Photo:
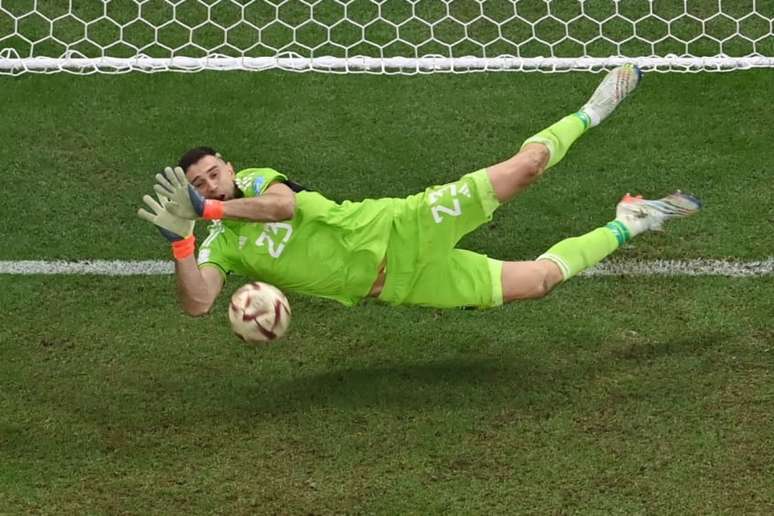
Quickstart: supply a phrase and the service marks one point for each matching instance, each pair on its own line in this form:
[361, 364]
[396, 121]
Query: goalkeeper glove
[178, 231]
[184, 200]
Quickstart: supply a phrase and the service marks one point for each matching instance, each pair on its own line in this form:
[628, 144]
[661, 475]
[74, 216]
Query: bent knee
[539, 288]
[532, 159]
[529, 280]
[526, 280]
[527, 167]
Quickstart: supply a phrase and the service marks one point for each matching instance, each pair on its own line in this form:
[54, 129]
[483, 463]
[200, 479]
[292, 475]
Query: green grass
[617, 395]
[657, 401]
[86, 153]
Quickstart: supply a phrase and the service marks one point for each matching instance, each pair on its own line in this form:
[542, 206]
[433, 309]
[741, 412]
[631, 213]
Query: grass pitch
[614, 395]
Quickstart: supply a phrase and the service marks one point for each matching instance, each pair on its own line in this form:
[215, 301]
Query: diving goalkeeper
[401, 251]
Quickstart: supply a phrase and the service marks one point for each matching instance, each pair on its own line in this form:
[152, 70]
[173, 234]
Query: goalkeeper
[402, 251]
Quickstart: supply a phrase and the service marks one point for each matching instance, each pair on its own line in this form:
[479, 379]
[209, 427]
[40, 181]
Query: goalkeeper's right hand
[178, 231]
[184, 200]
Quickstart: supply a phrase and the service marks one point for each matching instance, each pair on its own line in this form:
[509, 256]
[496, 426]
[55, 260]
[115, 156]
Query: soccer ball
[259, 312]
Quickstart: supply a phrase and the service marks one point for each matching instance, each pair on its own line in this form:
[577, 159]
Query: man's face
[212, 177]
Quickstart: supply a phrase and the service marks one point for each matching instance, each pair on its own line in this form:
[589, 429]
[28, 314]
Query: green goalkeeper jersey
[327, 249]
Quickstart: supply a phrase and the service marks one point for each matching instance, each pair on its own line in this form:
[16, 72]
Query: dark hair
[192, 156]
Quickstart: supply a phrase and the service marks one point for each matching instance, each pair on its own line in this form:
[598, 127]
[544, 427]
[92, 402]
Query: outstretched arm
[277, 203]
[197, 288]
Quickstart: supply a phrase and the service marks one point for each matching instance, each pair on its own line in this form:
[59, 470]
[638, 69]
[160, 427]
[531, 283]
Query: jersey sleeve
[217, 250]
[254, 181]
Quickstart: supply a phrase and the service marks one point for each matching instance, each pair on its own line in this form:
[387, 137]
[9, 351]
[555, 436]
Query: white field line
[97, 267]
[697, 267]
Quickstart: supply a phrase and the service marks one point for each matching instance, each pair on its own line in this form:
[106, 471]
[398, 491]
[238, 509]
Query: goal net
[383, 36]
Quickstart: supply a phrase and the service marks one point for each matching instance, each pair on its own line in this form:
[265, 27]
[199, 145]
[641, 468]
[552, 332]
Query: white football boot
[618, 83]
[640, 215]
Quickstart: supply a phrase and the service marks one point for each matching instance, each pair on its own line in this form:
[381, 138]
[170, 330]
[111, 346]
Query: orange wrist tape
[184, 248]
[213, 209]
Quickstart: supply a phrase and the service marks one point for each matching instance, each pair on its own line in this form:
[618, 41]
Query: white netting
[383, 36]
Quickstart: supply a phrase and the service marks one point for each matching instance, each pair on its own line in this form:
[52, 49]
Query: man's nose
[211, 185]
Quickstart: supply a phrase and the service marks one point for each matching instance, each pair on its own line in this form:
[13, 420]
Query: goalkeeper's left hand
[184, 200]
[178, 231]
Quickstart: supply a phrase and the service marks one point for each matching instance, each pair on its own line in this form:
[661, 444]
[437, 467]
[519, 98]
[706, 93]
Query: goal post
[383, 36]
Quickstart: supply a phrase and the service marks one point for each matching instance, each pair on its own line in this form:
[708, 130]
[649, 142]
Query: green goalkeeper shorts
[423, 267]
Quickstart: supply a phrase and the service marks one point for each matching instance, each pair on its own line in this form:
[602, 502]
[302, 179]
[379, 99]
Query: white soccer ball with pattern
[259, 312]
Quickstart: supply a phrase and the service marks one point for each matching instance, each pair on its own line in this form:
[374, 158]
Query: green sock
[573, 255]
[560, 136]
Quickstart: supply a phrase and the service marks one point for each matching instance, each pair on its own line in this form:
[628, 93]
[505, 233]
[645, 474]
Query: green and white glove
[184, 200]
[178, 231]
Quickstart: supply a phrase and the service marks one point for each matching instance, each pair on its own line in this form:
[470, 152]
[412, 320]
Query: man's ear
[230, 169]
